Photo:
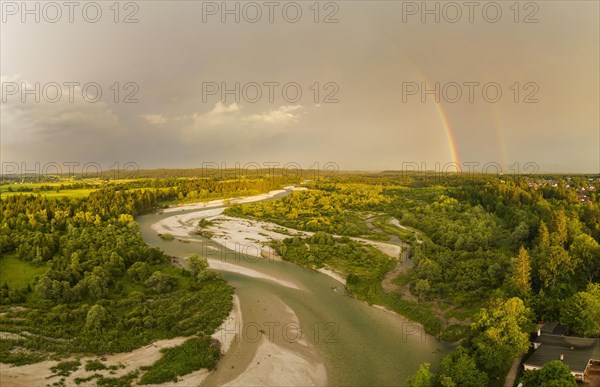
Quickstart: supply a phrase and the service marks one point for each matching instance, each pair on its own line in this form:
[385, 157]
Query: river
[358, 344]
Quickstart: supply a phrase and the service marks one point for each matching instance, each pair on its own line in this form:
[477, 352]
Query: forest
[77, 278]
[329, 207]
[495, 255]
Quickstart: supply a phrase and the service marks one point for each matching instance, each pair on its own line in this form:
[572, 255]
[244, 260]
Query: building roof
[576, 351]
[554, 328]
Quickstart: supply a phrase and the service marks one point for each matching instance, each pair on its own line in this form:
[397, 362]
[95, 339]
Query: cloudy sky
[185, 83]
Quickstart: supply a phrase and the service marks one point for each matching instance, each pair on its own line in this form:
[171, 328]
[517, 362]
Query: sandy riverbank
[252, 237]
[275, 360]
[185, 225]
[333, 275]
[230, 267]
[248, 237]
[39, 374]
[222, 202]
[275, 366]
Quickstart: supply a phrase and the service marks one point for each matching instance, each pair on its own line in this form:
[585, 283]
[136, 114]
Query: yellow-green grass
[71, 193]
[18, 274]
[19, 187]
[34, 185]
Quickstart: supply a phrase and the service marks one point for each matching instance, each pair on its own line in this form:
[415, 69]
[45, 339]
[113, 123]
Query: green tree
[429, 270]
[43, 287]
[139, 271]
[423, 377]
[587, 251]
[520, 234]
[543, 235]
[166, 236]
[96, 318]
[197, 263]
[556, 267]
[560, 234]
[458, 369]
[160, 282]
[520, 274]
[422, 288]
[553, 374]
[499, 333]
[96, 282]
[582, 311]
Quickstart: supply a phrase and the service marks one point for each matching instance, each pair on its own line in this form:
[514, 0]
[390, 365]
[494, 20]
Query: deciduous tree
[499, 333]
[553, 374]
[459, 368]
[582, 311]
[423, 377]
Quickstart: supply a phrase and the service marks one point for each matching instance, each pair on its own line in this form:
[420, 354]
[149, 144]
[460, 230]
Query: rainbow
[445, 124]
[448, 129]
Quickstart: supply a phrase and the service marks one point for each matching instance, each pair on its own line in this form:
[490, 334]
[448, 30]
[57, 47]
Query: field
[49, 190]
[68, 187]
[70, 193]
[18, 274]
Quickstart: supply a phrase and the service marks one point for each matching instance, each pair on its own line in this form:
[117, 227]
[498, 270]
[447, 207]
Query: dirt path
[404, 263]
[388, 284]
[509, 381]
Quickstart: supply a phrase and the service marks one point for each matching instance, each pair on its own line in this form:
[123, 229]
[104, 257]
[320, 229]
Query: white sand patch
[333, 275]
[294, 188]
[251, 237]
[275, 366]
[222, 202]
[194, 206]
[10, 336]
[273, 360]
[186, 224]
[230, 327]
[230, 267]
[390, 250]
[27, 375]
[395, 222]
[269, 253]
[385, 309]
[255, 235]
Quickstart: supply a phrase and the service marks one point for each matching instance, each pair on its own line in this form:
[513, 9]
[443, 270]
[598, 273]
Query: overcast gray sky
[359, 107]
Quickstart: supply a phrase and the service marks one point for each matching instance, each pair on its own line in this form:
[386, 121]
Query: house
[576, 352]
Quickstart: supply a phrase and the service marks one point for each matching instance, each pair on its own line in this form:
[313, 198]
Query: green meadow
[18, 274]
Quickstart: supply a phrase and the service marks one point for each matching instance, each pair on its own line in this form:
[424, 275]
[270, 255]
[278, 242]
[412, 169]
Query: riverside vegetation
[77, 279]
[492, 256]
